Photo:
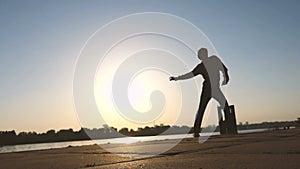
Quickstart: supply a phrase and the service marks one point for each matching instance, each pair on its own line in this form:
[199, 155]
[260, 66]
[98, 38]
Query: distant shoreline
[10, 138]
[120, 140]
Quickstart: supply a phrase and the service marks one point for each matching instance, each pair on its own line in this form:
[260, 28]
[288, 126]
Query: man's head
[202, 54]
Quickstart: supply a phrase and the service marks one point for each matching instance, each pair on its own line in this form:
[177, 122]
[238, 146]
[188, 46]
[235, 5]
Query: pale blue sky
[259, 41]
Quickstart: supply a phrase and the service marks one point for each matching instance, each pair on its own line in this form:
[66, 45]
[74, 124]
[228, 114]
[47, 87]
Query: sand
[275, 149]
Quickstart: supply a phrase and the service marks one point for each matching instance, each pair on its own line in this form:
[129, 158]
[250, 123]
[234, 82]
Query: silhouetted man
[210, 70]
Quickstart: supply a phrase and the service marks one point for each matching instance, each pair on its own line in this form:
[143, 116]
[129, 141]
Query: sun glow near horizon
[142, 84]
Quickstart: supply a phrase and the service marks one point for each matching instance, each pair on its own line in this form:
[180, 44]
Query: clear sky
[258, 40]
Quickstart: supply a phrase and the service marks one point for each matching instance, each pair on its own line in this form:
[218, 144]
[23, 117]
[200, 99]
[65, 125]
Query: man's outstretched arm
[196, 71]
[183, 77]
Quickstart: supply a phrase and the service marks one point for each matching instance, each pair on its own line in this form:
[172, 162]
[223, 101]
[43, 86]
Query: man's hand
[225, 81]
[172, 78]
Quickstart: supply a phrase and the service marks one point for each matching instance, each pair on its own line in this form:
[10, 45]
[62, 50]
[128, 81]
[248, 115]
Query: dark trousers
[206, 95]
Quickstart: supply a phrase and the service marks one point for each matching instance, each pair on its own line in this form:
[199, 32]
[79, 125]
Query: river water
[127, 140]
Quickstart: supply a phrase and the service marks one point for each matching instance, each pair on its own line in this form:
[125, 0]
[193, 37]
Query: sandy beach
[274, 149]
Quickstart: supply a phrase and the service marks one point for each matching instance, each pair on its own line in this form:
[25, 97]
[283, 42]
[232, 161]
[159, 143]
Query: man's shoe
[196, 135]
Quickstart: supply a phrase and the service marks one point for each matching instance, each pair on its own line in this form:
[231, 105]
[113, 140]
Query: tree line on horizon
[12, 138]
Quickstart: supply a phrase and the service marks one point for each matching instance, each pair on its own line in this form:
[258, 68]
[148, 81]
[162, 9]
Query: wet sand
[275, 149]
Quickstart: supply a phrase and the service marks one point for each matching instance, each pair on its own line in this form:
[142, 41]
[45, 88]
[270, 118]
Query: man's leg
[204, 99]
[229, 125]
[219, 96]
